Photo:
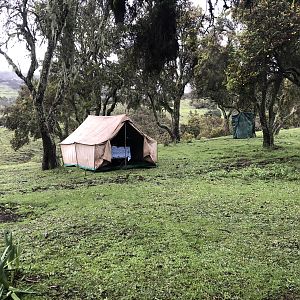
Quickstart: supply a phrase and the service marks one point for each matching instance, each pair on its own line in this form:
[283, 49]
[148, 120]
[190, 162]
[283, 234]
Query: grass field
[186, 108]
[217, 219]
[6, 91]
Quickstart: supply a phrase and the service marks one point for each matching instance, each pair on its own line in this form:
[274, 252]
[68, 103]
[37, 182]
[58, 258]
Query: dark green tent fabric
[243, 125]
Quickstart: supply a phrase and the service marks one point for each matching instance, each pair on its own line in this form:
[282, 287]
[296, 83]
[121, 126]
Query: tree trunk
[268, 132]
[163, 126]
[176, 120]
[267, 126]
[268, 139]
[50, 160]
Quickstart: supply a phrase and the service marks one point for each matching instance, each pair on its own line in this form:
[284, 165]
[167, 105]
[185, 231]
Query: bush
[203, 126]
[213, 113]
[146, 122]
[187, 137]
[202, 103]
[193, 125]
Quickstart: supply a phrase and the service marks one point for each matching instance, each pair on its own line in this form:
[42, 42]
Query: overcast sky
[20, 56]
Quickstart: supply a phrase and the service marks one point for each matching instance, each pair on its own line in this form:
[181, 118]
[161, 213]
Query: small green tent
[243, 125]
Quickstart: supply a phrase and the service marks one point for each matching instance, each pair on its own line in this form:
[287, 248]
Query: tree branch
[163, 126]
[13, 65]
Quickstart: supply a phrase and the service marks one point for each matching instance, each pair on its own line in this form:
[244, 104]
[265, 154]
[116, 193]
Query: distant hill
[9, 86]
[10, 79]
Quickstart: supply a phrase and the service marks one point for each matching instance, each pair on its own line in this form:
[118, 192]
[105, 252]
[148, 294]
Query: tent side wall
[243, 125]
[85, 156]
[102, 154]
[150, 150]
[69, 154]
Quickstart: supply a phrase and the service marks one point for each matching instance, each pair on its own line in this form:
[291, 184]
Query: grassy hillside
[186, 108]
[218, 219]
[7, 92]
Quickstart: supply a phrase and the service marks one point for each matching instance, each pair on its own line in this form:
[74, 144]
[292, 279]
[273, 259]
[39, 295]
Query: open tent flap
[130, 138]
[150, 150]
[102, 154]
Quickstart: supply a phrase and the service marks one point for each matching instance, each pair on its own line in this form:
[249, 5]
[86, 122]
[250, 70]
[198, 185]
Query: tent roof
[97, 130]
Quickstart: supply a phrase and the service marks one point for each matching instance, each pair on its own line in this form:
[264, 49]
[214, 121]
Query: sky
[20, 56]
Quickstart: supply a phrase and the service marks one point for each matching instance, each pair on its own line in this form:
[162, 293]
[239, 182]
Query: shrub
[204, 126]
[202, 103]
[193, 125]
[146, 121]
[9, 266]
[187, 137]
[213, 113]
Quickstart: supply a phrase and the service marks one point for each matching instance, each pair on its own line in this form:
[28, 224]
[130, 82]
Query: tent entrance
[127, 147]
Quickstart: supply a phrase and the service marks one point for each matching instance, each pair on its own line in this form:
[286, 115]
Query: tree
[271, 32]
[210, 80]
[54, 21]
[288, 109]
[166, 90]
[19, 118]
[27, 20]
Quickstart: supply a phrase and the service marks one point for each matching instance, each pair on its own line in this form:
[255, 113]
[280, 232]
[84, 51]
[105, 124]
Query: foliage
[187, 137]
[204, 126]
[202, 103]
[193, 126]
[152, 29]
[213, 113]
[9, 264]
[19, 119]
[146, 121]
[288, 109]
[210, 73]
[164, 92]
[29, 21]
[266, 48]
[156, 35]
[214, 56]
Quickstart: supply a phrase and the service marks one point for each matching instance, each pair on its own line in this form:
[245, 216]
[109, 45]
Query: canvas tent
[109, 141]
[243, 125]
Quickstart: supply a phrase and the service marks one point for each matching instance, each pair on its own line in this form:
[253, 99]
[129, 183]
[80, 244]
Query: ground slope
[218, 219]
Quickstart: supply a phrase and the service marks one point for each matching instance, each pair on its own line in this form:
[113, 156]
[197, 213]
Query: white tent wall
[85, 156]
[69, 155]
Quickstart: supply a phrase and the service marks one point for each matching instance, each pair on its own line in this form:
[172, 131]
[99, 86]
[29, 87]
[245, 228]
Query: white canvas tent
[106, 141]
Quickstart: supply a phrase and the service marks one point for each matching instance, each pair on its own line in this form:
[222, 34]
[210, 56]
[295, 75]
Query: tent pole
[125, 145]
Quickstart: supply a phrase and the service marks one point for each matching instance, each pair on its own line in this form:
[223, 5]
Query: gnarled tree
[268, 52]
[29, 21]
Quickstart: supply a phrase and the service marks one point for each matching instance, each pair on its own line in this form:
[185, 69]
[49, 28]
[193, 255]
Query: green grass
[186, 108]
[218, 219]
[6, 91]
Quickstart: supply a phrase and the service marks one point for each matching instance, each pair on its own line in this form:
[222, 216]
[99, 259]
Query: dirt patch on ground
[244, 162]
[8, 214]
[285, 295]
